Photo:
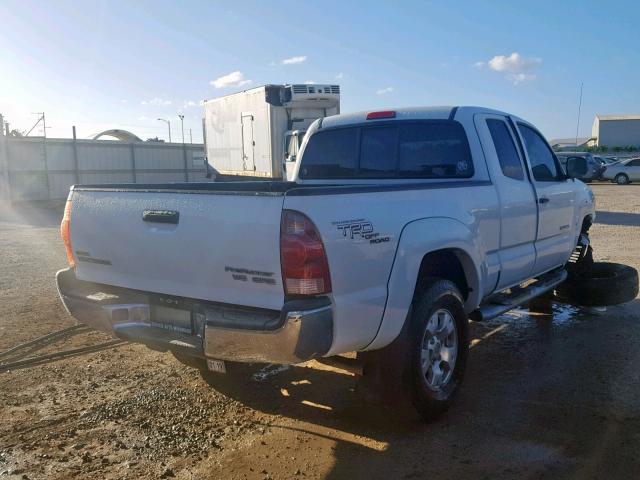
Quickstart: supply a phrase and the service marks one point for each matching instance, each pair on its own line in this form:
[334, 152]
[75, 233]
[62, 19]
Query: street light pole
[168, 125]
[184, 150]
[181, 117]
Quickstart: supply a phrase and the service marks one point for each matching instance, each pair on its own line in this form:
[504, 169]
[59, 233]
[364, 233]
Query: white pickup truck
[397, 228]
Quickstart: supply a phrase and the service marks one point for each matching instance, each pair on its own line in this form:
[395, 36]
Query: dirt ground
[542, 398]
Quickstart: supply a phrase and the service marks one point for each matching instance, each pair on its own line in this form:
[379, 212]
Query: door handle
[543, 200]
[161, 216]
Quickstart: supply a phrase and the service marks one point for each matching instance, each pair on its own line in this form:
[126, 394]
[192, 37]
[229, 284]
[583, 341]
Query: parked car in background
[624, 172]
[607, 160]
[595, 169]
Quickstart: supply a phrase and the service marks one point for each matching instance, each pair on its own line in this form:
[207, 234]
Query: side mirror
[577, 167]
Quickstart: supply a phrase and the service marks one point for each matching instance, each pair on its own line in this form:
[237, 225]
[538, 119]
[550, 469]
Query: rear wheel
[439, 348]
[424, 366]
[622, 179]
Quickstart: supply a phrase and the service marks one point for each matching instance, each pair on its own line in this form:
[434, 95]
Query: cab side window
[505, 149]
[543, 162]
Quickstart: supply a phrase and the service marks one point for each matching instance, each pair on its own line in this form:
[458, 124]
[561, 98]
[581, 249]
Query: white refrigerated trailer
[257, 132]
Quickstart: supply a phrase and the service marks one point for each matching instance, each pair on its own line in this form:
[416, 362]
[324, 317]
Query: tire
[410, 364]
[622, 179]
[439, 300]
[602, 285]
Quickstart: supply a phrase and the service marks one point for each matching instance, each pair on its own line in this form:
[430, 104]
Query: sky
[123, 64]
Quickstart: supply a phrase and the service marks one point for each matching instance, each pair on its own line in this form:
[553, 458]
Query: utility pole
[181, 117]
[190, 137]
[184, 149]
[578, 119]
[168, 125]
[40, 119]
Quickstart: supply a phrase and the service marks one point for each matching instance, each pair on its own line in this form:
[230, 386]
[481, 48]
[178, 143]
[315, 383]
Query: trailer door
[248, 143]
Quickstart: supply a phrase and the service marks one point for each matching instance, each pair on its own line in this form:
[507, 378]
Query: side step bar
[518, 296]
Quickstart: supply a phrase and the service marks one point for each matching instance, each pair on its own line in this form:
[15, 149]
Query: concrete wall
[44, 169]
[618, 133]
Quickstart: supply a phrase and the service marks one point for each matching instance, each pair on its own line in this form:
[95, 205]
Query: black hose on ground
[59, 355]
[48, 336]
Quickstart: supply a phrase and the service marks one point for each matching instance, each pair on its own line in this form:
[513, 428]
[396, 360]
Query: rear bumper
[301, 331]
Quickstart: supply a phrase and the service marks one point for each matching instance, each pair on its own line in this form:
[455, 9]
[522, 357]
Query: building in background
[570, 144]
[613, 131]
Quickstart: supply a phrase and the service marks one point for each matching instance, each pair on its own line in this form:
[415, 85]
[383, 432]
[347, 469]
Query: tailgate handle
[161, 216]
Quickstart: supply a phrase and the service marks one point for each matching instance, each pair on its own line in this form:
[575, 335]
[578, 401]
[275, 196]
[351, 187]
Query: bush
[598, 149]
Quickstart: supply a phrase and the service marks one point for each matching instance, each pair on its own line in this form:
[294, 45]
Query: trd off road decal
[256, 276]
[359, 229]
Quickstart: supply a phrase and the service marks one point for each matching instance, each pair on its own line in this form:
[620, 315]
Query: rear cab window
[427, 149]
[508, 156]
[331, 156]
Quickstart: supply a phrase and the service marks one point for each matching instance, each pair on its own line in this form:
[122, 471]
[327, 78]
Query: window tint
[634, 163]
[428, 149]
[434, 150]
[331, 154]
[543, 164]
[506, 150]
[378, 152]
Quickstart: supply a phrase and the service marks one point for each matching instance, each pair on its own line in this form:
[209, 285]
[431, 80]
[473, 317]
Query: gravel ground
[542, 398]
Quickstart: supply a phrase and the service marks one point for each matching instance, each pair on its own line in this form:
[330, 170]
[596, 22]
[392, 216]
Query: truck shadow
[618, 218]
[535, 403]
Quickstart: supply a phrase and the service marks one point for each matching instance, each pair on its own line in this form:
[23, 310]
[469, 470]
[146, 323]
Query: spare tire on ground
[600, 285]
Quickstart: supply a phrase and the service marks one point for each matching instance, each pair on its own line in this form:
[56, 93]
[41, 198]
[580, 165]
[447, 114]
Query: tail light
[305, 270]
[65, 233]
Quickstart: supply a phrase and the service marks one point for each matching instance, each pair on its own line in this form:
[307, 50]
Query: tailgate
[216, 247]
